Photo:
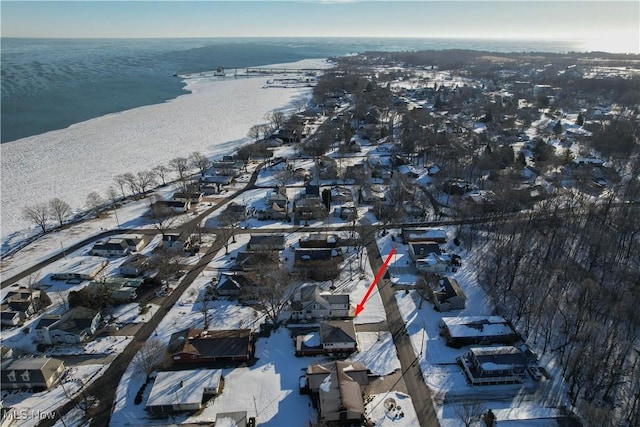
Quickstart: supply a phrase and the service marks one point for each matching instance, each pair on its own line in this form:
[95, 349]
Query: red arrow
[360, 306]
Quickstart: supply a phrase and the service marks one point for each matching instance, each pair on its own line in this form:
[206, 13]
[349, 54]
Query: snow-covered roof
[81, 265]
[476, 326]
[182, 387]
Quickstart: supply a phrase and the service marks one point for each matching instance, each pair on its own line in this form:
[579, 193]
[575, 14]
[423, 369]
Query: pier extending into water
[252, 71]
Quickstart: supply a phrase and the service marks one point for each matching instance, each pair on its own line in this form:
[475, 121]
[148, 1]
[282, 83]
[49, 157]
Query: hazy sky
[605, 22]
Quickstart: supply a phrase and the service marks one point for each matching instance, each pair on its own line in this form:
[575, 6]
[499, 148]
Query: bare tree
[276, 119]
[166, 263]
[132, 182]
[87, 404]
[470, 412]
[205, 299]
[121, 180]
[162, 217]
[229, 220]
[200, 161]
[180, 166]
[112, 195]
[149, 356]
[254, 132]
[94, 202]
[161, 172]
[274, 288]
[37, 214]
[59, 209]
[145, 180]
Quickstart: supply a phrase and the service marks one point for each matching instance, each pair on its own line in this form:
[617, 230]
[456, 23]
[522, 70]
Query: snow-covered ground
[535, 402]
[69, 163]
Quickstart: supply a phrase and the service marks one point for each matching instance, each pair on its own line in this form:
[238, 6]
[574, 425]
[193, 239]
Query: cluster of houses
[494, 356]
[21, 304]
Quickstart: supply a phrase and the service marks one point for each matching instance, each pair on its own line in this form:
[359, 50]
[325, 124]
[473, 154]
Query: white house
[79, 268]
[111, 248]
[310, 304]
[73, 327]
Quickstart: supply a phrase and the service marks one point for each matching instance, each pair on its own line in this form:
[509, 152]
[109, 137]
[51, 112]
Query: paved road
[418, 390]
[104, 388]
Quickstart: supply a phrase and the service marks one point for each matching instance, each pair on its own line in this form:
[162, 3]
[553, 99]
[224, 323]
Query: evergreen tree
[557, 129]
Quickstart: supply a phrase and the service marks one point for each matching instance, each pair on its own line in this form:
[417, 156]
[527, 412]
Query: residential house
[231, 168]
[237, 211]
[191, 346]
[135, 266]
[470, 330]
[176, 242]
[22, 303]
[493, 365]
[338, 389]
[279, 196]
[341, 195]
[421, 234]
[11, 318]
[120, 290]
[419, 250]
[309, 304]
[174, 206]
[80, 268]
[35, 373]
[73, 327]
[5, 352]
[338, 336]
[266, 242]
[372, 193]
[217, 179]
[183, 391]
[135, 242]
[194, 197]
[310, 208]
[110, 248]
[447, 295]
[334, 336]
[254, 261]
[274, 211]
[408, 171]
[319, 241]
[317, 257]
[311, 191]
[432, 263]
[233, 285]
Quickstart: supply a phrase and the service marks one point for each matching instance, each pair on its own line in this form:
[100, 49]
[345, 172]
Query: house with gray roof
[338, 387]
[73, 327]
[110, 248]
[266, 242]
[310, 304]
[470, 330]
[338, 336]
[448, 295]
[494, 365]
[200, 346]
[36, 373]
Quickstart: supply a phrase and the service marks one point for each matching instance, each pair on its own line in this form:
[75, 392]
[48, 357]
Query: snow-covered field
[69, 163]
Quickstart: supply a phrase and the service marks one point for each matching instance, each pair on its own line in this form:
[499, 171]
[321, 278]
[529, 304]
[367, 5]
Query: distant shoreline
[212, 117]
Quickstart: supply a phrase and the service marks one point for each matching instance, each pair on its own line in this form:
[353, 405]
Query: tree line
[127, 185]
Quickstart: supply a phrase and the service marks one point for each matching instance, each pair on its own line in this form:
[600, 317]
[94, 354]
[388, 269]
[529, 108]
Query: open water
[50, 84]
